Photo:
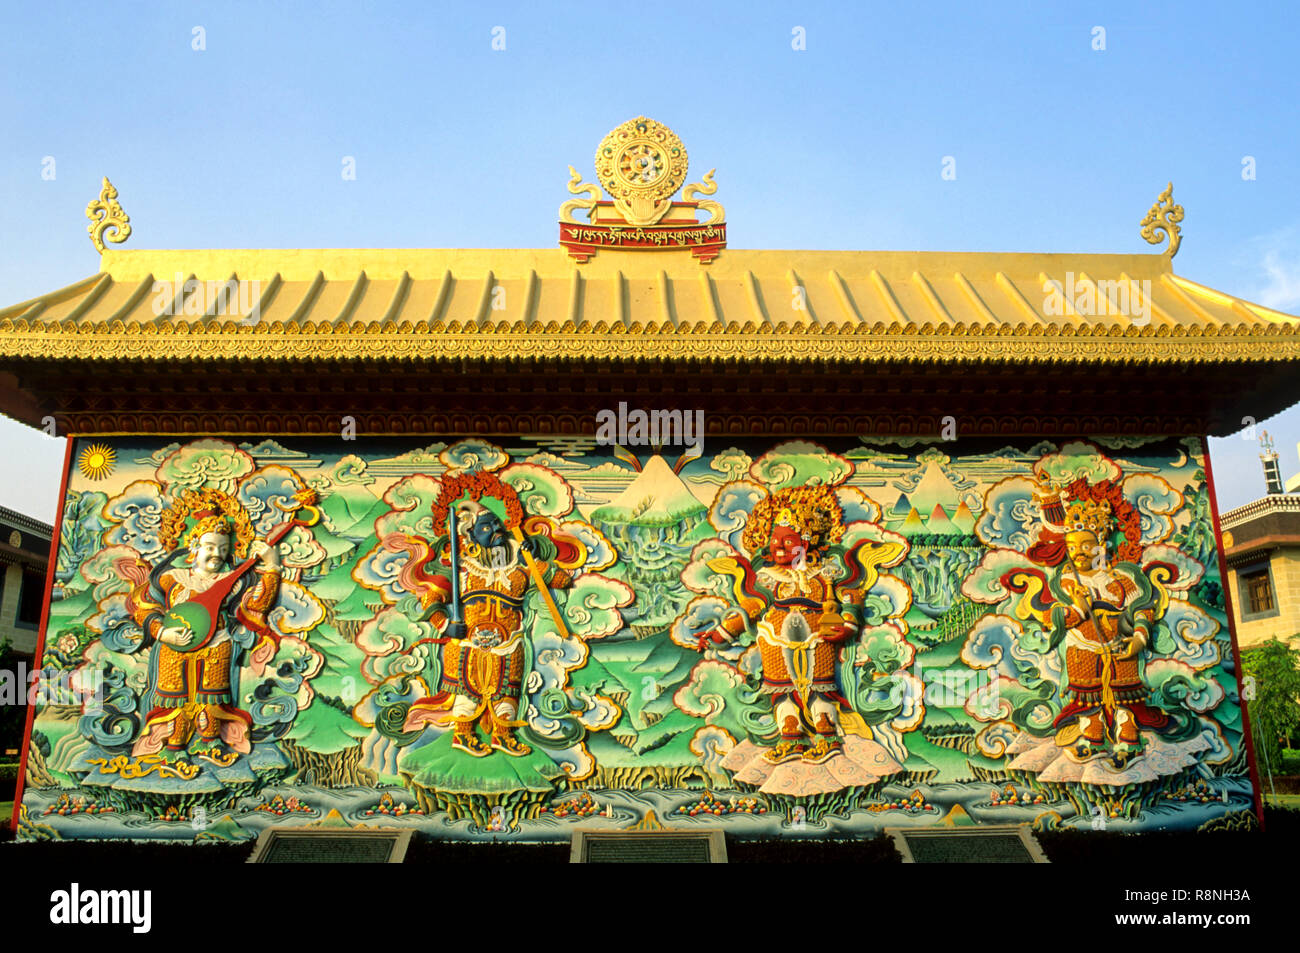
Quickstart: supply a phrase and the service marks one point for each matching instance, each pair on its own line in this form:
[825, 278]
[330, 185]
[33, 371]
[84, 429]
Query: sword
[455, 564]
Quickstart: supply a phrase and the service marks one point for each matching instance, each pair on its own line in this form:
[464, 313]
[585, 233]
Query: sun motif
[97, 461]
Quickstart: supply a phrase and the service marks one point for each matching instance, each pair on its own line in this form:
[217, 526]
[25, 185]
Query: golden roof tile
[857, 307]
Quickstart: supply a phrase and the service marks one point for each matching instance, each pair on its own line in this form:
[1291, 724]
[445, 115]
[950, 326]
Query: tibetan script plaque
[1011, 844]
[306, 846]
[648, 847]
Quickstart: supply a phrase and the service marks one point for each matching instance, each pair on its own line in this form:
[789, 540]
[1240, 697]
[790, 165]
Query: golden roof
[859, 307]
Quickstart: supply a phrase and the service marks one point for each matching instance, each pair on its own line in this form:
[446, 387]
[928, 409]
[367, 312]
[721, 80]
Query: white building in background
[1261, 546]
[24, 559]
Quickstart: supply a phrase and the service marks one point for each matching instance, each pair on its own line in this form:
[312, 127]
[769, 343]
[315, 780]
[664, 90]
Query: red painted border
[1232, 630]
[45, 621]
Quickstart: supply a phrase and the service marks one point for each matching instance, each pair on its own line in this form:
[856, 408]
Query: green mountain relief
[352, 510]
[322, 728]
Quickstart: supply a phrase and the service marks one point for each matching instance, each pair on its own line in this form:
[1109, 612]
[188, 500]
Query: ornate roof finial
[107, 220]
[642, 165]
[717, 214]
[1164, 216]
[577, 187]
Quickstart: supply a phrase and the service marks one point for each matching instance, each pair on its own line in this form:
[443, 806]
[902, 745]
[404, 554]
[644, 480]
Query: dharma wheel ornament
[641, 165]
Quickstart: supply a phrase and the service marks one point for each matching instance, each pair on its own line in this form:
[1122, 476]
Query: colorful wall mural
[482, 638]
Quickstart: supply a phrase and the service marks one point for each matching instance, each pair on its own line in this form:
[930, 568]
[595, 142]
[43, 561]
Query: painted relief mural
[508, 637]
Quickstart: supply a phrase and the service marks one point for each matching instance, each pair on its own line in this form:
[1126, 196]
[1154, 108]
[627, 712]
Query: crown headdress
[1085, 515]
[1099, 508]
[482, 489]
[787, 517]
[812, 511]
[212, 511]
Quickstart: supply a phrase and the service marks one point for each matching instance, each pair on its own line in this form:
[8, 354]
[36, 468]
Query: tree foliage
[1275, 709]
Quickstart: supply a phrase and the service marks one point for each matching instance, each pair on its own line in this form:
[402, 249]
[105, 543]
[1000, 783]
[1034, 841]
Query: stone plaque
[995, 844]
[648, 847]
[309, 846]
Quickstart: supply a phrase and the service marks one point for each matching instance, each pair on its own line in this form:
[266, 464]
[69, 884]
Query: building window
[1259, 589]
[30, 598]
[1255, 590]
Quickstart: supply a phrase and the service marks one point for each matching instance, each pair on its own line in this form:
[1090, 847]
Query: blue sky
[1059, 147]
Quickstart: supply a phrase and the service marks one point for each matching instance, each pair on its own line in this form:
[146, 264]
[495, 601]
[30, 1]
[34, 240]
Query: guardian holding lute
[186, 612]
